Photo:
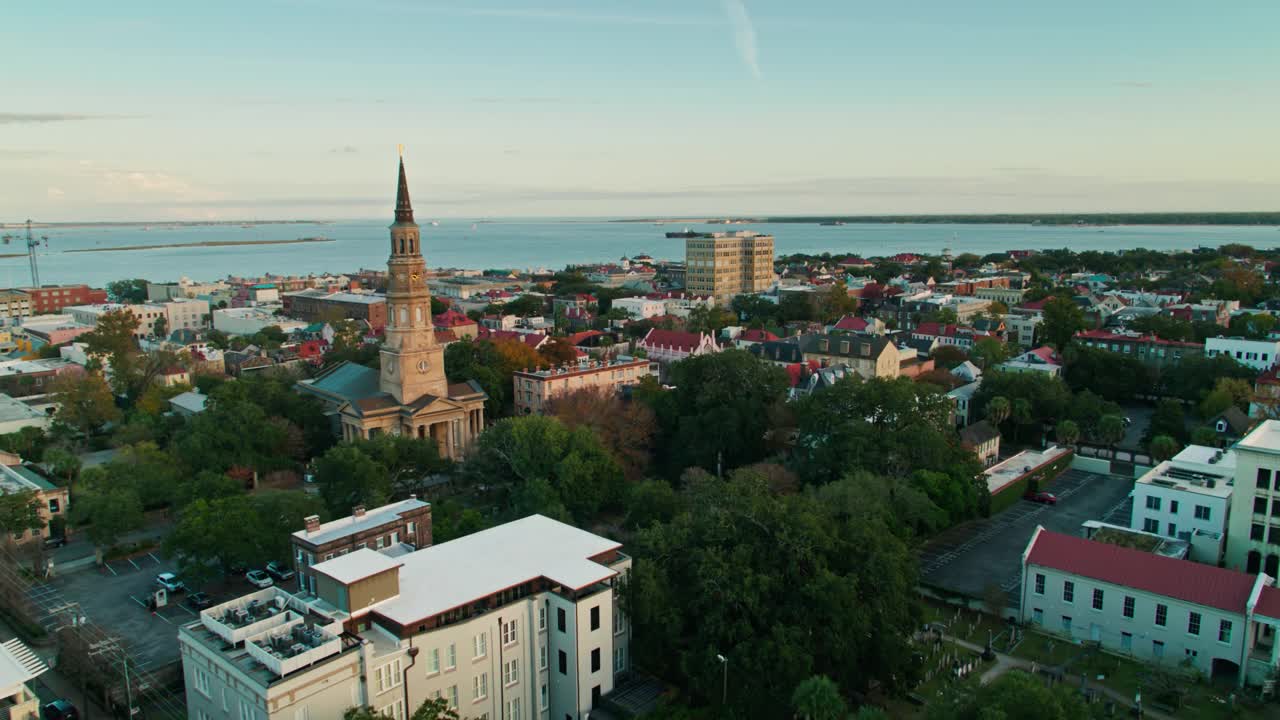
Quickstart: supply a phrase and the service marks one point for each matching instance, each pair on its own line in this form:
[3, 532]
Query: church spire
[404, 210]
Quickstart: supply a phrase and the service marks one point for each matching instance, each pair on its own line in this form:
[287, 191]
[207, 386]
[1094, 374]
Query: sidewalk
[71, 557]
[1004, 663]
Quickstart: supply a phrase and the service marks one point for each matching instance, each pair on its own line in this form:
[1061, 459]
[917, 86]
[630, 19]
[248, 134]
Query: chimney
[312, 522]
[357, 511]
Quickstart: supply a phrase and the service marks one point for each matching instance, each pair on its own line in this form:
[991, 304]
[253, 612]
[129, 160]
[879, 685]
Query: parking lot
[969, 558]
[115, 598]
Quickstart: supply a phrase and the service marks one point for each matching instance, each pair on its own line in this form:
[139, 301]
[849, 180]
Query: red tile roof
[533, 340]
[675, 339]
[1047, 354]
[451, 319]
[852, 322]
[1034, 304]
[1121, 337]
[757, 335]
[1269, 603]
[577, 338]
[1179, 579]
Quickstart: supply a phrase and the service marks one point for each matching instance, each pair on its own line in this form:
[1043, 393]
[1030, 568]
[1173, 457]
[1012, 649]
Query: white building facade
[1189, 498]
[1155, 609]
[640, 307]
[518, 622]
[1257, 354]
[1253, 530]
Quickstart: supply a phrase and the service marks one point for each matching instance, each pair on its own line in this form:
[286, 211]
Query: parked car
[199, 600]
[1047, 498]
[279, 571]
[59, 710]
[259, 579]
[170, 582]
[55, 541]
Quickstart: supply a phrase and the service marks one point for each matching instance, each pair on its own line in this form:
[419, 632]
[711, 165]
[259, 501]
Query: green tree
[212, 536]
[19, 512]
[989, 352]
[720, 411]
[1016, 695]
[1168, 419]
[128, 291]
[112, 512]
[1062, 320]
[113, 338]
[1067, 432]
[1205, 436]
[818, 698]
[998, 410]
[1114, 376]
[161, 327]
[1227, 392]
[541, 466]
[85, 403]
[1023, 414]
[348, 476]
[1111, 430]
[1163, 447]
[63, 462]
[949, 356]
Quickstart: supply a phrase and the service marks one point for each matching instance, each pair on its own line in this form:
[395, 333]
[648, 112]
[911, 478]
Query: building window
[1128, 606]
[511, 672]
[1193, 623]
[1259, 506]
[246, 710]
[1224, 631]
[619, 659]
[560, 619]
[433, 661]
[1126, 641]
[595, 613]
[481, 646]
[1202, 512]
[619, 625]
[1151, 525]
[1068, 591]
[1273, 535]
[1039, 583]
[595, 660]
[564, 663]
[509, 633]
[513, 709]
[1162, 614]
[1153, 502]
[546, 697]
[395, 710]
[480, 686]
[1037, 616]
[202, 682]
[1173, 507]
[1264, 478]
[453, 696]
[389, 675]
[1066, 623]
[1157, 649]
[1097, 599]
[451, 657]
[1257, 532]
[1173, 530]
[542, 617]
[542, 657]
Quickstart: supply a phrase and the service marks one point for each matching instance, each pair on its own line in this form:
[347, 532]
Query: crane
[32, 245]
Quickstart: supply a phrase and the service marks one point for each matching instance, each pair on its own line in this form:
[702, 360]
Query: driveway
[969, 558]
[1141, 417]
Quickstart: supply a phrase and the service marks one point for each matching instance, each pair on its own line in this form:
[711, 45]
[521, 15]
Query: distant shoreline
[209, 243]
[161, 223]
[1048, 219]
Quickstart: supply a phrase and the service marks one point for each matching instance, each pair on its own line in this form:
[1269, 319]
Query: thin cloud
[44, 118]
[744, 34]
[345, 150]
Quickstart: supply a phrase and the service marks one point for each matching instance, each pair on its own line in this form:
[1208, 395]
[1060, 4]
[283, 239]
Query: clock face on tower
[423, 366]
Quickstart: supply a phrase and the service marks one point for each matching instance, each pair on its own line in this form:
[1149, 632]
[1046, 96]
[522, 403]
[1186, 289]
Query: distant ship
[686, 233]
[435, 223]
[246, 225]
[832, 222]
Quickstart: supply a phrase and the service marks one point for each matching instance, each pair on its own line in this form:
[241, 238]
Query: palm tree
[1111, 431]
[1068, 432]
[1023, 414]
[998, 410]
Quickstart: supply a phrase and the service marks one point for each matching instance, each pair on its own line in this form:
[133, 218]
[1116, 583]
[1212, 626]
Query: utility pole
[724, 688]
[111, 647]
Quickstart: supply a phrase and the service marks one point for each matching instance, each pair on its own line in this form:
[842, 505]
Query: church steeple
[404, 209]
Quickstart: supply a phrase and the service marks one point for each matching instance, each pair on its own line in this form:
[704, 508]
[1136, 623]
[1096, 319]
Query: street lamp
[724, 689]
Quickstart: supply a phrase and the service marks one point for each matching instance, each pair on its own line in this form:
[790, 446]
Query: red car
[1047, 498]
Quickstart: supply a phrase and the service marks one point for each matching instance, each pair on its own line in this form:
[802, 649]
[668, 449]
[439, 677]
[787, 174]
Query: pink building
[668, 346]
[533, 388]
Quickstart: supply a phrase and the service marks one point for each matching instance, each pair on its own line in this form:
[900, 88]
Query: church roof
[404, 209]
[348, 380]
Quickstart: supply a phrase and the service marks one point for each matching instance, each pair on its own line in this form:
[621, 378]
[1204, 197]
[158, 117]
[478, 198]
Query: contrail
[744, 34]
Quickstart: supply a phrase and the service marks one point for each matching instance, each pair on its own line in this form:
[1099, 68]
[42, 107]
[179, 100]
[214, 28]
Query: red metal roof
[757, 335]
[1179, 579]
[852, 322]
[1269, 603]
[675, 339]
[1120, 337]
[451, 319]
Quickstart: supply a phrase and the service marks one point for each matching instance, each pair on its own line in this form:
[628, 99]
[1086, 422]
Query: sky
[282, 109]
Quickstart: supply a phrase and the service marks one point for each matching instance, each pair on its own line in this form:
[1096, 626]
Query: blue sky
[293, 108]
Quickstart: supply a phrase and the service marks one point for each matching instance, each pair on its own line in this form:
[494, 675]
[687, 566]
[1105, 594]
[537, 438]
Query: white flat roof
[452, 574]
[1202, 455]
[1193, 478]
[19, 664]
[1264, 438]
[342, 527]
[357, 565]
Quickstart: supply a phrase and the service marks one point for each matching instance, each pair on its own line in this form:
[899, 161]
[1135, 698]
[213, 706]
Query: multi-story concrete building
[1022, 329]
[1253, 530]
[640, 307]
[1007, 295]
[1188, 497]
[1153, 351]
[185, 314]
[17, 477]
[15, 304]
[397, 528]
[1154, 608]
[251, 320]
[726, 264]
[1257, 354]
[533, 388]
[315, 305]
[518, 621]
[145, 313]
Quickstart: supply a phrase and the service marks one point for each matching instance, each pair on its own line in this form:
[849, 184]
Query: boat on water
[246, 225]
[685, 233]
[435, 223]
[832, 222]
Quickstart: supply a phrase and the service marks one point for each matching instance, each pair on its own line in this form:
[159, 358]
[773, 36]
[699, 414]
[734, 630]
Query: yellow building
[726, 264]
